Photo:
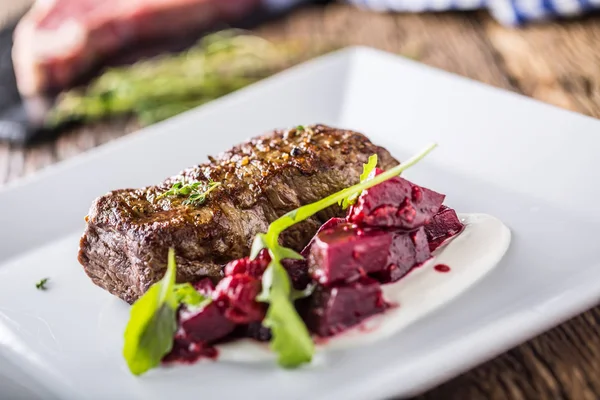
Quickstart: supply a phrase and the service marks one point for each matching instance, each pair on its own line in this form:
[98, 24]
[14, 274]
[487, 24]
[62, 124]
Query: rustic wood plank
[15, 164]
[38, 157]
[560, 364]
[454, 42]
[80, 139]
[556, 63]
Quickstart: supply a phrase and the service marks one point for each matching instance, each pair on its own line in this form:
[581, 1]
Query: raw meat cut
[58, 41]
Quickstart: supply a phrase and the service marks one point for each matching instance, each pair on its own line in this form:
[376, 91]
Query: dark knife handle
[16, 126]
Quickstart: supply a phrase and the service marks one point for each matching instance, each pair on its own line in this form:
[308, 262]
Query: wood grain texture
[555, 63]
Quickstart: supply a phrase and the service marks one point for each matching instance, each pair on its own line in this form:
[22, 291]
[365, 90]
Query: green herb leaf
[304, 212]
[267, 282]
[292, 214]
[152, 323]
[174, 191]
[290, 337]
[291, 340]
[367, 169]
[41, 285]
[258, 244]
[285, 252]
[186, 294]
[196, 195]
[301, 294]
[300, 128]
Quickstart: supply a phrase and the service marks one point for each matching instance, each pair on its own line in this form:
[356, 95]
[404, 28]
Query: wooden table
[555, 63]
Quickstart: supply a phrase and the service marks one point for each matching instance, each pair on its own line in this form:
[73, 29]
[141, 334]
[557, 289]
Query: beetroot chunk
[206, 325]
[198, 329]
[443, 226]
[347, 252]
[186, 351]
[407, 251]
[256, 331]
[328, 225]
[298, 269]
[237, 294]
[255, 268]
[204, 286]
[298, 272]
[331, 310]
[395, 203]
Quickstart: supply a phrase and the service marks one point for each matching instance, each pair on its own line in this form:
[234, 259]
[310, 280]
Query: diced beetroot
[206, 325]
[186, 351]
[298, 269]
[298, 272]
[346, 252]
[443, 226]
[329, 224]
[407, 251]
[255, 268]
[395, 203]
[205, 287]
[419, 239]
[199, 328]
[256, 331]
[331, 310]
[237, 294]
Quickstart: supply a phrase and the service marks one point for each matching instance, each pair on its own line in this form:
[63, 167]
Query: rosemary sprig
[158, 88]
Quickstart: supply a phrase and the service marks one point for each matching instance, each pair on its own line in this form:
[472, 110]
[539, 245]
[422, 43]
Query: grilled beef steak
[124, 248]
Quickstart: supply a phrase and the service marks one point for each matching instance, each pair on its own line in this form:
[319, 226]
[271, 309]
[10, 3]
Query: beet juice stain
[442, 268]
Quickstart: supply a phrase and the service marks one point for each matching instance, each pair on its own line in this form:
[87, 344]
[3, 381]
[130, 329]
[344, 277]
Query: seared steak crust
[124, 247]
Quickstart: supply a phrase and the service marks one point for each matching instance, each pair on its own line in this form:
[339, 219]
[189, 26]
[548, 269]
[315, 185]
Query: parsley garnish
[153, 320]
[291, 339]
[197, 192]
[41, 285]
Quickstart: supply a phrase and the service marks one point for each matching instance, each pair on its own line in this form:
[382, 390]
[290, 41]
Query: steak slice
[58, 41]
[125, 244]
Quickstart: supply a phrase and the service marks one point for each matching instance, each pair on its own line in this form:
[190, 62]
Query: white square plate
[532, 165]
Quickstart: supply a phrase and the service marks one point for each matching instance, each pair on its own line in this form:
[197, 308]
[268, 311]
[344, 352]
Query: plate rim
[531, 323]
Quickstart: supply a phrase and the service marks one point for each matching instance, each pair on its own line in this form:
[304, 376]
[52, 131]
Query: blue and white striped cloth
[507, 12]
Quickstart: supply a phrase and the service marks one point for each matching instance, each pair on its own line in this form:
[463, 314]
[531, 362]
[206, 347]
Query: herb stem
[41, 285]
[304, 212]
